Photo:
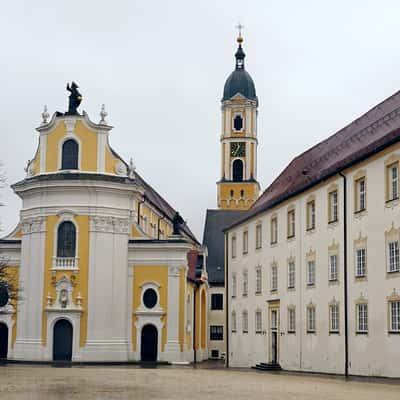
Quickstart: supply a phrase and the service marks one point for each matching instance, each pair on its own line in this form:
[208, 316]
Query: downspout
[158, 227]
[226, 302]
[346, 327]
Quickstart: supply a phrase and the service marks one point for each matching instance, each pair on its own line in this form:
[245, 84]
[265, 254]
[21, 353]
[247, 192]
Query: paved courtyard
[42, 382]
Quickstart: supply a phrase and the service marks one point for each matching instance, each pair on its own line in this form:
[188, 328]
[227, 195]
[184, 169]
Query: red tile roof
[372, 132]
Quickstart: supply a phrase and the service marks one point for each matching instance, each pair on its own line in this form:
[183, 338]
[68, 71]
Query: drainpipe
[158, 227]
[226, 301]
[346, 327]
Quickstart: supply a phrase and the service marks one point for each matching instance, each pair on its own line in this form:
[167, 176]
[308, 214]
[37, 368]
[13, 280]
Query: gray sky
[160, 67]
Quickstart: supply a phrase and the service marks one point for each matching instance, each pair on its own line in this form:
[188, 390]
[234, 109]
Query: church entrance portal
[62, 341]
[3, 341]
[149, 343]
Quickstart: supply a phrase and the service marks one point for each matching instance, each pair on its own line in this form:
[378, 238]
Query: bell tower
[238, 188]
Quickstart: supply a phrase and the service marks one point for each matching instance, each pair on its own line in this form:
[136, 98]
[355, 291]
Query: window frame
[291, 223]
[259, 235]
[393, 257]
[392, 195]
[311, 218]
[233, 246]
[333, 206]
[291, 284]
[291, 319]
[274, 230]
[333, 277]
[360, 194]
[311, 322]
[394, 327]
[258, 321]
[362, 319]
[258, 280]
[361, 255]
[245, 243]
[217, 305]
[274, 278]
[245, 321]
[245, 286]
[216, 332]
[310, 273]
[334, 323]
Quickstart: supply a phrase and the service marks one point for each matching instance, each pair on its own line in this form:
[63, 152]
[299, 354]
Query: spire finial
[45, 115]
[239, 27]
[103, 115]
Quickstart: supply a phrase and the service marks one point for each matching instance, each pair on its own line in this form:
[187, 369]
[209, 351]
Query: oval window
[150, 298]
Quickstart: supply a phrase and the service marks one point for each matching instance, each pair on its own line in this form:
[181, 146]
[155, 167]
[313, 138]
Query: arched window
[238, 123]
[66, 239]
[237, 169]
[70, 150]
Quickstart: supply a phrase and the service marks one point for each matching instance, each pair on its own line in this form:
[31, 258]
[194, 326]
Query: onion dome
[239, 81]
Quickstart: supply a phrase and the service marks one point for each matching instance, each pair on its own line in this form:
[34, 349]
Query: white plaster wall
[375, 354]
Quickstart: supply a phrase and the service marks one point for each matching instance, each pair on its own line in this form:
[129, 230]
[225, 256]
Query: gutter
[345, 278]
[345, 165]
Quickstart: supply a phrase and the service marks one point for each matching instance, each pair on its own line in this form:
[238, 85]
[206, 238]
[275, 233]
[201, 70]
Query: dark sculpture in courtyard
[75, 99]
[177, 222]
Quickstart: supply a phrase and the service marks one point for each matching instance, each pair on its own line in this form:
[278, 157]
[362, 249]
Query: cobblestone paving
[42, 383]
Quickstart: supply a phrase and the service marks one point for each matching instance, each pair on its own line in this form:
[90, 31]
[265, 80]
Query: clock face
[238, 149]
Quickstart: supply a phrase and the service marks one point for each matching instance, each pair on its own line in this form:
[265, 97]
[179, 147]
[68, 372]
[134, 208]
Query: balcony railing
[68, 263]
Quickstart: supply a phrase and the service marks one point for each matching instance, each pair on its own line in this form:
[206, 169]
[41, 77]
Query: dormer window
[238, 123]
[70, 151]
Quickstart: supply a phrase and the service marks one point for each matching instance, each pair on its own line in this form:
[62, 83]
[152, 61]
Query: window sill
[291, 289]
[310, 230]
[259, 248]
[291, 332]
[310, 285]
[394, 332]
[274, 291]
[273, 243]
[360, 278]
[244, 295]
[258, 332]
[233, 330]
[291, 237]
[361, 210]
[333, 222]
[333, 282]
[334, 332]
[362, 333]
[258, 293]
[245, 252]
[245, 332]
[312, 332]
[394, 200]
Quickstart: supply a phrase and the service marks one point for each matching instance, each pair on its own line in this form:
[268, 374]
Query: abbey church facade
[107, 270]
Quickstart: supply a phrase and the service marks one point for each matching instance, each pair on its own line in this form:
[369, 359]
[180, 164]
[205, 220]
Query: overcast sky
[160, 67]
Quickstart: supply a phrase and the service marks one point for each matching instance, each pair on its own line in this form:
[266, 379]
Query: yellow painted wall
[141, 275]
[182, 316]
[111, 161]
[198, 321]
[203, 319]
[251, 192]
[87, 149]
[80, 278]
[190, 311]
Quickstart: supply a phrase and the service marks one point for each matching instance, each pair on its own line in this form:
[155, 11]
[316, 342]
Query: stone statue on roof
[75, 99]
[177, 222]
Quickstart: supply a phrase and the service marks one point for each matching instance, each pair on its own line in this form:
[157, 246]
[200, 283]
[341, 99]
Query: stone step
[267, 367]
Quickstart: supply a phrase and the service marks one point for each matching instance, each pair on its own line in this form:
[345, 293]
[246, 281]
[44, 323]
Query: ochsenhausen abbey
[304, 277]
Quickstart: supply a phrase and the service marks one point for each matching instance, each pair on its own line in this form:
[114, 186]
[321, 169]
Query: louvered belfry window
[70, 152]
[66, 240]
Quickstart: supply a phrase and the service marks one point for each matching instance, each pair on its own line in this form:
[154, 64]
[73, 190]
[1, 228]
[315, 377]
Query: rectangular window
[311, 215]
[245, 322]
[360, 263]
[334, 318]
[245, 242]
[333, 267]
[394, 258]
[245, 283]
[258, 280]
[233, 246]
[291, 320]
[394, 307]
[234, 285]
[258, 236]
[216, 332]
[217, 301]
[233, 321]
[258, 321]
[360, 194]
[362, 318]
[310, 319]
[274, 230]
[311, 273]
[393, 181]
[291, 275]
[291, 224]
[333, 206]
[274, 278]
